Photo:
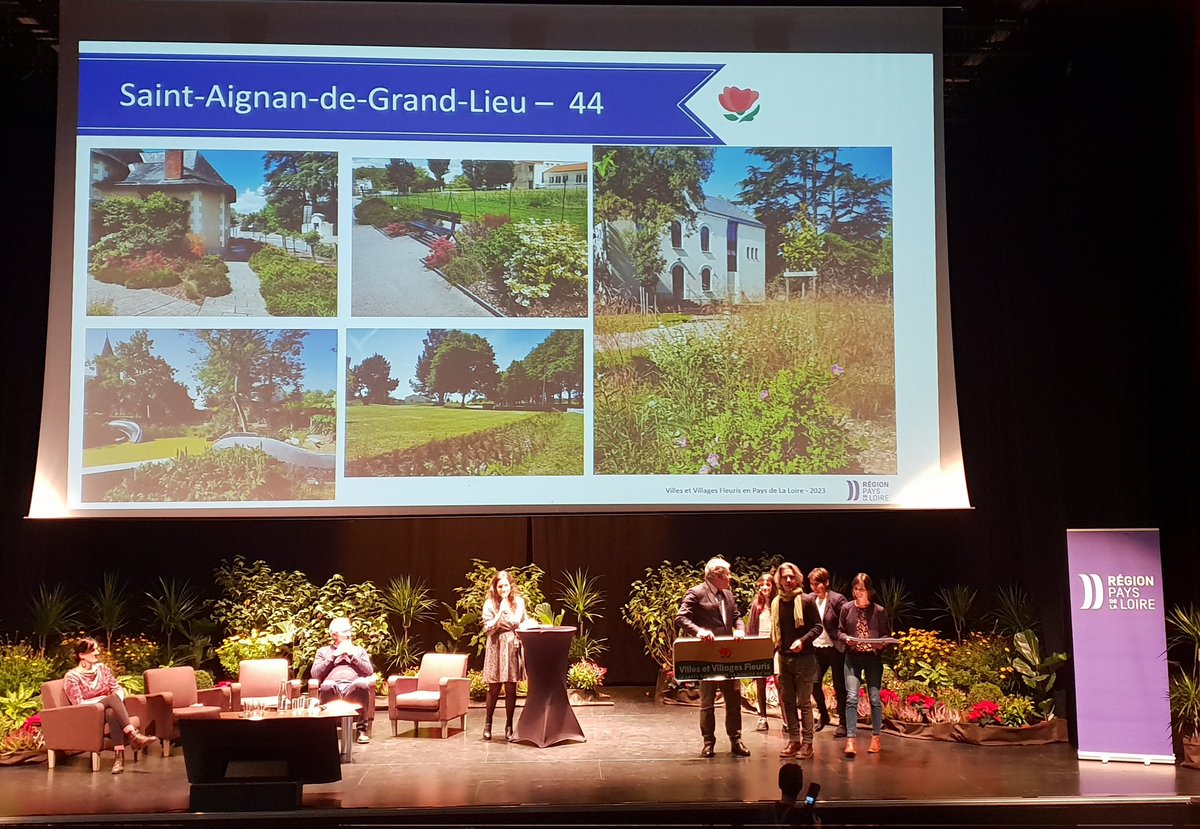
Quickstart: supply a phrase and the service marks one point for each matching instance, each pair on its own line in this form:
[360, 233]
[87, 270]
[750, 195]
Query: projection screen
[341, 258]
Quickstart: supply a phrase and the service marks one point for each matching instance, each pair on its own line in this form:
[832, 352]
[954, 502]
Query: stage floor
[640, 758]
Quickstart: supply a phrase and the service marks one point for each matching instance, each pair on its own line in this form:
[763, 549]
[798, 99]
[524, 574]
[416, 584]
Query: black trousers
[117, 718]
[830, 659]
[731, 690]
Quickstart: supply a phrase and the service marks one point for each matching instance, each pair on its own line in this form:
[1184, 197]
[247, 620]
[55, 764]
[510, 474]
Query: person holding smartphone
[790, 809]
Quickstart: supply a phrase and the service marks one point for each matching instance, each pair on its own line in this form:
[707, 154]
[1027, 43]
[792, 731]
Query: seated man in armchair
[344, 671]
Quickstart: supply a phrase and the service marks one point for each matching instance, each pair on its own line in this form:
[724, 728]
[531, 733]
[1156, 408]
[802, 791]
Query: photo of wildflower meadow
[441, 237]
[436, 402]
[173, 415]
[743, 311]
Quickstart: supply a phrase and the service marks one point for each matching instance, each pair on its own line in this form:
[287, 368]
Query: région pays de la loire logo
[740, 104]
[1119, 592]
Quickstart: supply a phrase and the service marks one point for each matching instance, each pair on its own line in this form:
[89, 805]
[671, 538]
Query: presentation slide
[316, 279]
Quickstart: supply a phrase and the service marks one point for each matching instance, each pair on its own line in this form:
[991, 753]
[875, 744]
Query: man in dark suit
[708, 611]
[827, 647]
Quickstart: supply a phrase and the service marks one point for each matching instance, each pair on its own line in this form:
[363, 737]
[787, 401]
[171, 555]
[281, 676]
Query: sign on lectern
[723, 658]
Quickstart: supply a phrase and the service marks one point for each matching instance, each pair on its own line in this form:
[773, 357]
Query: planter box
[1191, 752]
[919, 730]
[579, 697]
[16, 758]
[1054, 731]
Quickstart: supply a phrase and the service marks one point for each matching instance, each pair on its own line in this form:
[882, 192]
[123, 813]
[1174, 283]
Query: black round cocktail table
[547, 718]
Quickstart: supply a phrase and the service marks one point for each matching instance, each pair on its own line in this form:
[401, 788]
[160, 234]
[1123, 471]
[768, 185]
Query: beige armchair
[178, 687]
[438, 693]
[259, 681]
[81, 728]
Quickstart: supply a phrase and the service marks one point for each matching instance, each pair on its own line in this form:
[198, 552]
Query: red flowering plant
[739, 104]
[915, 708]
[441, 251]
[985, 712]
[920, 701]
[25, 737]
[893, 707]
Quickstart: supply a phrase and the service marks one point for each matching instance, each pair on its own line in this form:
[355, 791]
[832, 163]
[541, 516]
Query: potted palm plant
[1184, 624]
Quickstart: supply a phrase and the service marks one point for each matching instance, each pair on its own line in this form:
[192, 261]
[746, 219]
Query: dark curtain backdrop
[1071, 173]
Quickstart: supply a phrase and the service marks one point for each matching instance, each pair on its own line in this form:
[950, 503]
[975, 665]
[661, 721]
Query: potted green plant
[1184, 684]
[651, 609]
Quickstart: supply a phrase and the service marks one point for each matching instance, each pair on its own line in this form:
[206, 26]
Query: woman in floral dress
[503, 614]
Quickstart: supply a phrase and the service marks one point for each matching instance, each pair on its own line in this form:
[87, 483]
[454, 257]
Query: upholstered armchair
[81, 728]
[438, 693]
[178, 687]
[259, 681]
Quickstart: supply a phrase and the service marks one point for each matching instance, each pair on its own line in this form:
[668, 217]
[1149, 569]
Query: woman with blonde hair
[503, 614]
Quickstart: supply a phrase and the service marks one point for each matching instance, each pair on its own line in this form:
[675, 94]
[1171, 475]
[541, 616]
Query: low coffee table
[239, 764]
[337, 710]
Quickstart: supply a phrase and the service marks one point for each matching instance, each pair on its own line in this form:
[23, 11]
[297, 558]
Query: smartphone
[810, 797]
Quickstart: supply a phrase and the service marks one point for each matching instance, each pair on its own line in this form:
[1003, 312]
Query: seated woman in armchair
[92, 681]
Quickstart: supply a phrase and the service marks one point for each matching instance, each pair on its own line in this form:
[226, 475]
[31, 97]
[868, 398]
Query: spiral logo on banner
[1093, 591]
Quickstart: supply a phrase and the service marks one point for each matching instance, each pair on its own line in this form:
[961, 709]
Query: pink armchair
[438, 693]
[178, 687]
[259, 679]
[81, 728]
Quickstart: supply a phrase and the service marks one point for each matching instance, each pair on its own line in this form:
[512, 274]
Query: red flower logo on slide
[725, 653]
[738, 103]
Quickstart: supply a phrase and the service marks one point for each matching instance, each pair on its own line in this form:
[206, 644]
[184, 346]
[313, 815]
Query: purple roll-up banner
[1118, 633]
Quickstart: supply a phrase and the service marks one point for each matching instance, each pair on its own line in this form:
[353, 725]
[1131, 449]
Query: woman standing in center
[503, 614]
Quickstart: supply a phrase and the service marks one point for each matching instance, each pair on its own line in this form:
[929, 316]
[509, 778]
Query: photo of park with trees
[470, 238]
[436, 402]
[744, 311]
[227, 233]
[178, 415]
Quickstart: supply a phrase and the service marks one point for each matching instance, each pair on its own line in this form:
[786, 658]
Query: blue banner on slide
[358, 98]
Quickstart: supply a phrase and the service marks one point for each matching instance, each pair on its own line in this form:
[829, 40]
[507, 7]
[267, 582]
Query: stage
[640, 764]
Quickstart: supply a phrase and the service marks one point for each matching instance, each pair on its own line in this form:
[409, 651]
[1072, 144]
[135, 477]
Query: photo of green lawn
[209, 415]
[550, 205]
[744, 316]
[464, 415]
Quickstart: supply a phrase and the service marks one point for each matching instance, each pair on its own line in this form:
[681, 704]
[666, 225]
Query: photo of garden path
[744, 316]
[178, 415]
[450, 237]
[213, 233]
[464, 416]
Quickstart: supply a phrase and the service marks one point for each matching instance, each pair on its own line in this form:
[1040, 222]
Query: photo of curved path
[391, 281]
[180, 415]
[243, 300]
